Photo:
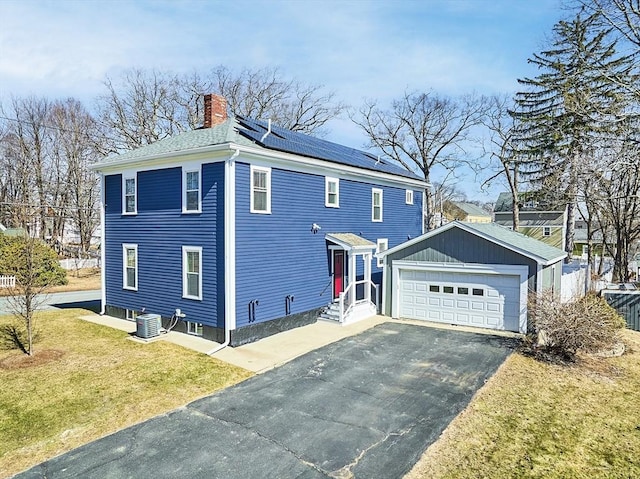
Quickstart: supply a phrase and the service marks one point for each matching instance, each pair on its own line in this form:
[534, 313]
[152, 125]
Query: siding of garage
[459, 246]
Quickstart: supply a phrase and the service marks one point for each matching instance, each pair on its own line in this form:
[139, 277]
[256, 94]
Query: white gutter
[267, 132]
[103, 274]
[229, 250]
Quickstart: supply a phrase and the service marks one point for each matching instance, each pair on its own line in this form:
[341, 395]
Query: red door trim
[338, 273]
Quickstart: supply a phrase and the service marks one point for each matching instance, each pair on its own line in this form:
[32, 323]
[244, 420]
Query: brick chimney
[215, 110]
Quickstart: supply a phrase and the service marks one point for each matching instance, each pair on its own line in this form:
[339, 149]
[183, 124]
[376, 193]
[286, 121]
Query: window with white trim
[194, 328]
[130, 266]
[408, 197]
[332, 192]
[376, 205]
[382, 244]
[191, 186]
[546, 231]
[129, 195]
[192, 272]
[260, 189]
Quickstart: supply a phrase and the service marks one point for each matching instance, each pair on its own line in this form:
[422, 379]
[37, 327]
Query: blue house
[242, 229]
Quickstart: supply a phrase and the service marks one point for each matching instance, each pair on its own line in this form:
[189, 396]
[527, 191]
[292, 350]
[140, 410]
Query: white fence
[77, 263]
[7, 281]
[573, 281]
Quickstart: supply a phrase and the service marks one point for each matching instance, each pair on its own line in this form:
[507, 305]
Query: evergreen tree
[577, 102]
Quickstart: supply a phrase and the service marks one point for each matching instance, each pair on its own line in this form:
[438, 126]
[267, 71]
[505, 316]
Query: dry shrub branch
[587, 324]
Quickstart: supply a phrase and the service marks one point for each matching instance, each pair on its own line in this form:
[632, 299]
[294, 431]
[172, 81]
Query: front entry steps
[331, 312]
[360, 311]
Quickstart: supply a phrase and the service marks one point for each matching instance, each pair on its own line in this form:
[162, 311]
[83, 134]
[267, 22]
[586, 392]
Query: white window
[192, 272]
[194, 328]
[260, 190]
[129, 195]
[191, 199]
[546, 231]
[130, 266]
[408, 197]
[332, 192]
[382, 244]
[131, 315]
[376, 205]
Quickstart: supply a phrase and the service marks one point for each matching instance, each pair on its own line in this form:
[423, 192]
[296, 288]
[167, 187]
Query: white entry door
[471, 299]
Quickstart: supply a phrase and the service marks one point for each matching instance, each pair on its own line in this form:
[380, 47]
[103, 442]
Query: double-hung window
[376, 205]
[191, 202]
[332, 192]
[130, 266]
[129, 195]
[260, 189]
[192, 272]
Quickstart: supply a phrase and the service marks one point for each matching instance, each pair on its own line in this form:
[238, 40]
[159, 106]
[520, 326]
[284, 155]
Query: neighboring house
[250, 229]
[538, 220]
[581, 242]
[467, 212]
[470, 274]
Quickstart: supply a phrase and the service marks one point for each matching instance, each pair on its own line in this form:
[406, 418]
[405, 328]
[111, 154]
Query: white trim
[522, 271]
[195, 331]
[129, 176]
[185, 171]
[125, 248]
[375, 191]
[289, 161]
[185, 250]
[327, 181]
[468, 228]
[408, 197]
[103, 236]
[380, 242]
[230, 244]
[267, 171]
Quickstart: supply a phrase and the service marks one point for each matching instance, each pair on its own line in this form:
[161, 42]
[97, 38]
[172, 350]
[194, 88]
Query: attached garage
[469, 274]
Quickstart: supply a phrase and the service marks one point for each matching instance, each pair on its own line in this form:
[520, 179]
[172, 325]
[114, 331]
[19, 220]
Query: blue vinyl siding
[160, 230]
[277, 254]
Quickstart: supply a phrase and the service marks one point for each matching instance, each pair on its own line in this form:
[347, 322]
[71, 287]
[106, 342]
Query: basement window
[194, 328]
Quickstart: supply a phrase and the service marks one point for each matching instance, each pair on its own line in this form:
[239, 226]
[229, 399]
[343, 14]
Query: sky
[374, 49]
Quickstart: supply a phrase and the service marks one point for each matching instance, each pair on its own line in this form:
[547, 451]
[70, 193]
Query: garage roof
[537, 250]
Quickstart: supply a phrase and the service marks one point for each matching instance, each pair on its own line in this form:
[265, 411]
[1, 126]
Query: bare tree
[423, 132]
[265, 94]
[143, 107]
[622, 15]
[501, 148]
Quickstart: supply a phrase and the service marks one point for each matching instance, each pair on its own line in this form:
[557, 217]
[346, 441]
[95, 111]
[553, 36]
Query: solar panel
[288, 141]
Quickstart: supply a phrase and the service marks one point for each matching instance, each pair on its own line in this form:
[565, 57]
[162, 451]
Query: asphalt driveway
[365, 407]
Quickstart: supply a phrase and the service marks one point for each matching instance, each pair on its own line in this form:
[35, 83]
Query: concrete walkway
[261, 355]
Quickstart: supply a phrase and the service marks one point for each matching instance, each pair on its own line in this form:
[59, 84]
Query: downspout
[267, 132]
[229, 251]
[103, 274]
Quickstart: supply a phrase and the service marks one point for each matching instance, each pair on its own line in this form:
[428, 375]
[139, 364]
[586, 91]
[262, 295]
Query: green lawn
[538, 420]
[86, 381]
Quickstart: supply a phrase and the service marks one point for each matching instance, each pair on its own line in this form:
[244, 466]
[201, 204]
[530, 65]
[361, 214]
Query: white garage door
[470, 299]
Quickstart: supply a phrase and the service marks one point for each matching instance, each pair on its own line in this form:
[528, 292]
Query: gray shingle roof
[224, 133]
[471, 209]
[517, 240]
[525, 245]
[249, 132]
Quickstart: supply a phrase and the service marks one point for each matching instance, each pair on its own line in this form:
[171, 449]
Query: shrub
[17, 253]
[588, 324]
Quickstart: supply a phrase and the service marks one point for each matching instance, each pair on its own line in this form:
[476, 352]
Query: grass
[84, 279]
[86, 381]
[541, 420]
